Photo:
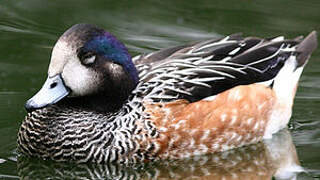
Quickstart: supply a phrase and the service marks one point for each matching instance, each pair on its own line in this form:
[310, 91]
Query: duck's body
[189, 100]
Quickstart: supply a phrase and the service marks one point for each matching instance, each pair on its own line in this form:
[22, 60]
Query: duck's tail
[285, 83]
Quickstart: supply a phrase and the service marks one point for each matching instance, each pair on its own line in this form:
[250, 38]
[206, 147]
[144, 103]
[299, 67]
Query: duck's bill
[51, 92]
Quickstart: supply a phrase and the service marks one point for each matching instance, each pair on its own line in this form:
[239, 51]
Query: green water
[29, 29]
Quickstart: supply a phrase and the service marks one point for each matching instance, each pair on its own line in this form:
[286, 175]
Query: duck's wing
[204, 69]
[164, 54]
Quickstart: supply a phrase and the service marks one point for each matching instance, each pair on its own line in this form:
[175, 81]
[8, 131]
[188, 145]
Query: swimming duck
[100, 105]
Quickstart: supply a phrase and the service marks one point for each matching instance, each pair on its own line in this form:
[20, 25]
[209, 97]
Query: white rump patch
[284, 87]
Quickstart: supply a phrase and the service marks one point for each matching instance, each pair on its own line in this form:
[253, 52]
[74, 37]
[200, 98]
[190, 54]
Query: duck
[100, 105]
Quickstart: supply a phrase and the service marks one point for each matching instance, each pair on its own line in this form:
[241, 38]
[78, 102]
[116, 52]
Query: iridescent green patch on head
[107, 46]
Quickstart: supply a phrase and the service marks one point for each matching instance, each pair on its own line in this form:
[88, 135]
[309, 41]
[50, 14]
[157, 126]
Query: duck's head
[86, 62]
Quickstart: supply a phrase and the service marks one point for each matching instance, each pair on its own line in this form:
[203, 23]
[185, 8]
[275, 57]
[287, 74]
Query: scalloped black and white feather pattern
[207, 68]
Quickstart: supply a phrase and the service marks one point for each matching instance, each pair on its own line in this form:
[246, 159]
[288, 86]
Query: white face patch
[80, 79]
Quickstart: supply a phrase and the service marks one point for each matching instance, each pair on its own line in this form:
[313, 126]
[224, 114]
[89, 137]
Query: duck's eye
[89, 59]
[86, 57]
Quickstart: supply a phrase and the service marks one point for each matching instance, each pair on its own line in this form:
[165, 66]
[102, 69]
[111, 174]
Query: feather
[203, 69]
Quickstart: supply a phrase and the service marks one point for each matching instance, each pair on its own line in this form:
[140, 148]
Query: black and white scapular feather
[203, 69]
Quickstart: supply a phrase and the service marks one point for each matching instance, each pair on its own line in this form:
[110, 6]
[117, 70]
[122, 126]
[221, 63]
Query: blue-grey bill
[51, 92]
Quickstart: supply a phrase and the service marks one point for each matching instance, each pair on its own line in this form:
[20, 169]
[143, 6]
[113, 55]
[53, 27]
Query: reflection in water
[273, 158]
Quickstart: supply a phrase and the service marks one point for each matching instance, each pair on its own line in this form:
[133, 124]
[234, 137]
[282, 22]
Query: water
[28, 30]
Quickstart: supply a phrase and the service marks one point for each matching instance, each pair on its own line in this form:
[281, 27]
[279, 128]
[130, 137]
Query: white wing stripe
[203, 60]
[177, 90]
[223, 41]
[209, 79]
[227, 67]
[267, 58]
[233, 52]
[197, 83]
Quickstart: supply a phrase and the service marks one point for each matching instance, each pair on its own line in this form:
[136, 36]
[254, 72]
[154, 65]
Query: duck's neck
[97, 103]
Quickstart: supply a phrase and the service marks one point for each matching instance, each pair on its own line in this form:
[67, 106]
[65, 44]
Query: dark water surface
[29, 29]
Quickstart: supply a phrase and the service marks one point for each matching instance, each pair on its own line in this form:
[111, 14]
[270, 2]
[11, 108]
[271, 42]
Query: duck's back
[204, 69]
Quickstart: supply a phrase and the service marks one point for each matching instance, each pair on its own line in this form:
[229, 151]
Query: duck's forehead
[62, 51]
[66, 47]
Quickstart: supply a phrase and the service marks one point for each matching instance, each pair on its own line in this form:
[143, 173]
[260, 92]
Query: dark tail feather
[306, 47]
